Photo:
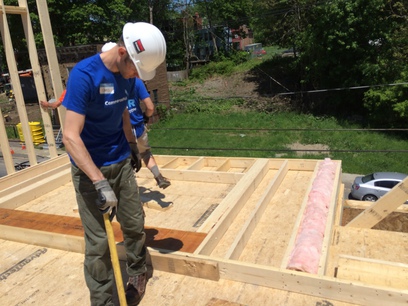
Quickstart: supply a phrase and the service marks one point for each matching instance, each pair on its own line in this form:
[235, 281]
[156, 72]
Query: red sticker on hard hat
[138, 46]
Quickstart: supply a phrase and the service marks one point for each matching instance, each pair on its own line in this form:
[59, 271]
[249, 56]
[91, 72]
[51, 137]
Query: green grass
[199, 127]
[233, 133]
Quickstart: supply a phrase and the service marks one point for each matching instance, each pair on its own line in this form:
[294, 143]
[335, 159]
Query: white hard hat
[146, 46]
[108, 46]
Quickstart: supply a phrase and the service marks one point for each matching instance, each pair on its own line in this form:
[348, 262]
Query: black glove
[145, 118]
[106, 200]
[136, 158]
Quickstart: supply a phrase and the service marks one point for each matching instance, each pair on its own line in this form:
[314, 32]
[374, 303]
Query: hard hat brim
[143, 74]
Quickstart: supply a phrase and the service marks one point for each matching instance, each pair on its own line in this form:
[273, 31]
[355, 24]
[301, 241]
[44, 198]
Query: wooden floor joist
[226, 222]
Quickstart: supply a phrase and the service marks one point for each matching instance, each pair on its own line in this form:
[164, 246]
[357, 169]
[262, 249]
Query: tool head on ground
[146, 46]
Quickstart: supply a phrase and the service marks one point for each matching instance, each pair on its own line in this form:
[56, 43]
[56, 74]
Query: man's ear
[122, 50]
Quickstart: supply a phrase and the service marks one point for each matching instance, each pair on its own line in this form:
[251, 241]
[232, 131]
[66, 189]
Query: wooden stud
[219, 221]
[38, 80]
[5, 147]
[52, 57]
[246, 231]
[15, 80]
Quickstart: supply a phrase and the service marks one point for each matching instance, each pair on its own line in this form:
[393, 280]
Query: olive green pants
[98, 269]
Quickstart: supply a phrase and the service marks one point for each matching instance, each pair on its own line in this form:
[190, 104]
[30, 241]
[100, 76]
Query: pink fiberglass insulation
[306, 253]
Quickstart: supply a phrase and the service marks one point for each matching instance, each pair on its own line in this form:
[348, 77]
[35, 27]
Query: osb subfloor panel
[32, 275]
[178, 207]
[368, 243]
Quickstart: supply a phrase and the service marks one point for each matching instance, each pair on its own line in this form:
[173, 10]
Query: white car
[373, 186]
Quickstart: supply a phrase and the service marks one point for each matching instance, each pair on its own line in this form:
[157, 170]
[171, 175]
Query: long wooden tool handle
[115, 260]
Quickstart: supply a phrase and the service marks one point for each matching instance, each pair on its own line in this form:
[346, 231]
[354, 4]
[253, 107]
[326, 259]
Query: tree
[343, 45]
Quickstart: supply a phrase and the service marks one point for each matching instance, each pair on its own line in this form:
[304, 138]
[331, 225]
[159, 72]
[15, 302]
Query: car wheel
[370, 197]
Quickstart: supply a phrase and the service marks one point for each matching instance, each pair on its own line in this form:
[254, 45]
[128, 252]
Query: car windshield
[367, 178]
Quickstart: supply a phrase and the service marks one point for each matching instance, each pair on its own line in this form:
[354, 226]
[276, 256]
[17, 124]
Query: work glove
[106, 201]
[145, 118]
[136, 159]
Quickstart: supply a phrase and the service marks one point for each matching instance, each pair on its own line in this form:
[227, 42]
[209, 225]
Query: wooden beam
[31, 172]
[5, 147]
[197, 165]
[16, 10]
[219, 221]
[315, 285]
[196, 175]
[295, 228]
[329, 231]
[373, 271]
[225, 166]
[39, 180]
[355, 204]
[247, 229]
[17, 89]
[38, 80]
[51, 55]
[215, 268]
[15, 222]
[383, 207]
[36, 189]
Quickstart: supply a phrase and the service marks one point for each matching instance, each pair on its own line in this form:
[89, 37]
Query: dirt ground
[10, 113]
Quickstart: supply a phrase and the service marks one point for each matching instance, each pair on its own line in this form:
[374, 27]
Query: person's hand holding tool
[136, 158]
[107, 201]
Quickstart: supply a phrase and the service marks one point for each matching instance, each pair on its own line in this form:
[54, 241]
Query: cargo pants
[98, 269]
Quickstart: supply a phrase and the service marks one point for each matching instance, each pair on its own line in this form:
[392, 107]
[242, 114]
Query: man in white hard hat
[103, 153]
[138, 120]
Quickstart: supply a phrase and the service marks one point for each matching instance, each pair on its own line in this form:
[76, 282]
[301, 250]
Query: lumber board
[270, 238]
[5, 147]
[315, 285]
[32, 180]
[52, 57]
[299, 217]
[57, 231]
[329, 231]
[247, 229]
[38, 80]
[227, 210]
[373, 271]
[339, 209]
[201, 176]
[185, 265]
[198, 164]
[27, 193]
[30, 172]
[355, 204]
[368, 243]
[32, 267]
[17, 89]
[383, 207]
[16, 10]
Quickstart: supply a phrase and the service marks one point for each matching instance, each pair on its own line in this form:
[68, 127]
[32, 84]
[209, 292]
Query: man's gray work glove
[106, 200]
[136, 158]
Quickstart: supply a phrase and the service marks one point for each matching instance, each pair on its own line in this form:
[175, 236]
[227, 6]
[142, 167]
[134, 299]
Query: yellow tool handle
[115, 260]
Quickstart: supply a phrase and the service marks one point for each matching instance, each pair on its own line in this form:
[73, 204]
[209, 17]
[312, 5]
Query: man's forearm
[78, 152]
